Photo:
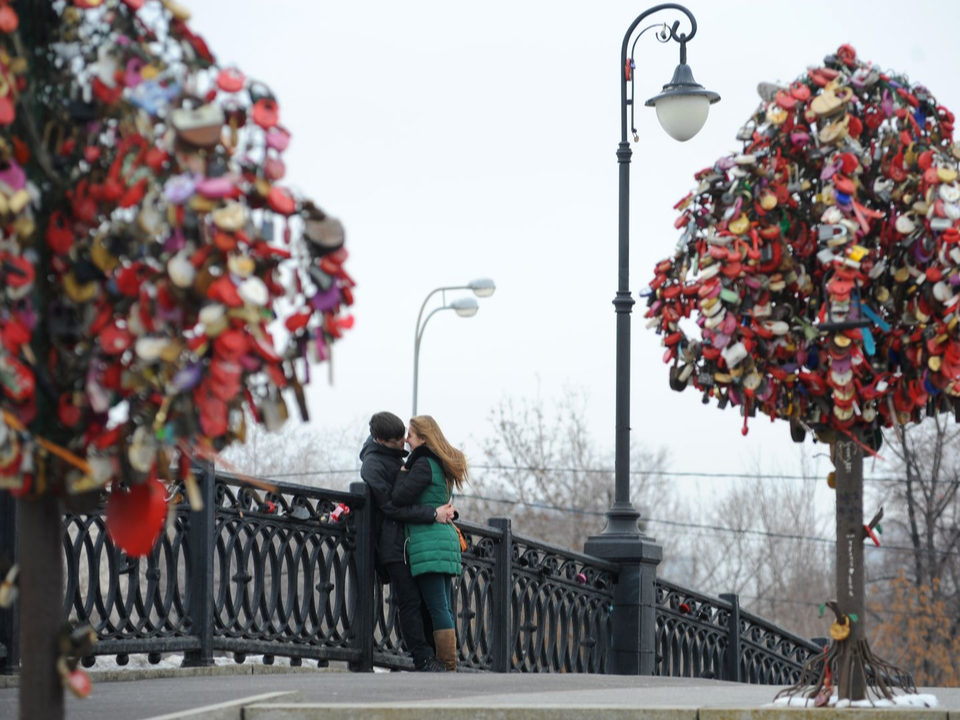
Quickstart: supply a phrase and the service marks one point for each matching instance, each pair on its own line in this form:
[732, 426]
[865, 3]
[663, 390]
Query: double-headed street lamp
[464, 307]
[682, 109]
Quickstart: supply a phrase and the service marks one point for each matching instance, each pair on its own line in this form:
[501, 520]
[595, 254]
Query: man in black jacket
[381, 458]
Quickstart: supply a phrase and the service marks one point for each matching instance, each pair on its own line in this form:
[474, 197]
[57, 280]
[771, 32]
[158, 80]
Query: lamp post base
[634, 617]
[622, 519]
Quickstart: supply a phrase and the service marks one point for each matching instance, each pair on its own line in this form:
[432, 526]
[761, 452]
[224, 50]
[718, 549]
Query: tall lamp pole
[464, 307]
[682, 109]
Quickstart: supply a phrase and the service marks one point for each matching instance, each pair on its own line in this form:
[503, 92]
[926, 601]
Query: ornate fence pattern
[702, 636]
[284, 573]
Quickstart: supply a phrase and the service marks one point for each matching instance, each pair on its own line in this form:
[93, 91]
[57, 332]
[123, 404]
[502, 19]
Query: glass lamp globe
[683, 105]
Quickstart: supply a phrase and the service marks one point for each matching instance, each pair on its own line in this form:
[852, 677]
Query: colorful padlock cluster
[147, 242]
[817, 276]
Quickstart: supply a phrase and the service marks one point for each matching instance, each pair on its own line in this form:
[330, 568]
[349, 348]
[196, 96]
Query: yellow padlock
[857, 253]
[776, 115]
[946, 174]
[840, 631]
[740, 225]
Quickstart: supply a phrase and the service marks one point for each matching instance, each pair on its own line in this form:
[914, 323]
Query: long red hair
[454, 461]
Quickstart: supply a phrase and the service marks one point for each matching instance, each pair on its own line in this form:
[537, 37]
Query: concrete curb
[232, 710]
[457, 711]
[798, 713]
[108, 676]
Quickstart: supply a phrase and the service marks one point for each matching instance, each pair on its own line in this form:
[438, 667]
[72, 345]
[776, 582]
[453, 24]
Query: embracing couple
[418, 548]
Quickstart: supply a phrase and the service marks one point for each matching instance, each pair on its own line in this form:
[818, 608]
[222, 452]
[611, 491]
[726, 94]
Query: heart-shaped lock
[13, 175]
[266, 113]
[274, 169]
[115, 339]
[213, 412]
[231, 80]
[59, 233]
[135, 517]
[217, 187]
[181, 271]
[242, 266]
[281, 201]
[277, 138]
[8, 111]
[230, 218]
[223, 290]
[214, 319]
[76, 680]
[826, 104]
[9, 21]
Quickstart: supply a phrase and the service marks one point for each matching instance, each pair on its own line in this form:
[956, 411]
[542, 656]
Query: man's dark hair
[386, 426]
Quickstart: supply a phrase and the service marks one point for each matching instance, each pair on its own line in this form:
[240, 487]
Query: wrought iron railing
[284, 573]
[702, 636]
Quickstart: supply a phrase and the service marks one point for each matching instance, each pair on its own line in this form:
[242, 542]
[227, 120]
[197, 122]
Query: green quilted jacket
[430, 548]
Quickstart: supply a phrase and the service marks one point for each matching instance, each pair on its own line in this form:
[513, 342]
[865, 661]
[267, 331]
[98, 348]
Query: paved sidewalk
[149, 698]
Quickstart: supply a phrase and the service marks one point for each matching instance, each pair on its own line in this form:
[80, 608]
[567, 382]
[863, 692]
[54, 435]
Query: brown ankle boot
[446, 642]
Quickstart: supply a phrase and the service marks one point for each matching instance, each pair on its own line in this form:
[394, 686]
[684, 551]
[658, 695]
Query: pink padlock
[277, 138]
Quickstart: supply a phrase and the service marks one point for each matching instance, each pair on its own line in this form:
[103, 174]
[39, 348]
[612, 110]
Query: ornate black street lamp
[682, 109]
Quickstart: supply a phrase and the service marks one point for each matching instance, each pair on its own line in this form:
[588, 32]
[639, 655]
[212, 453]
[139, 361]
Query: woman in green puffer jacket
[429, 476]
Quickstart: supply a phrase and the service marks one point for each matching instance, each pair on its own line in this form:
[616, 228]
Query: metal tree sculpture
[146, 239]
[822, 266]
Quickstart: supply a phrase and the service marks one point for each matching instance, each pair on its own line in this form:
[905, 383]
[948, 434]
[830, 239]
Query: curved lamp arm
[682, 39]
[416, 350]
[427, 299]
[481, 287]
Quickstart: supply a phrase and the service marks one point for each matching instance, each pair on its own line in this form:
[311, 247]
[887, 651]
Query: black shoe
[430, 665]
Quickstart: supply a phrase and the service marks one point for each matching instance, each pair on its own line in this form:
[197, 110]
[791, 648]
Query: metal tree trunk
[848, 460]
[41, 607]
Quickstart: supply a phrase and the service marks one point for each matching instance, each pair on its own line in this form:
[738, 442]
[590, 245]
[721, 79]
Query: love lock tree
[819, 270]
[145, 240]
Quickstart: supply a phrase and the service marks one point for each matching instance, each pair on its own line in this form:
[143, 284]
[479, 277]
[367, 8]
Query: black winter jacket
[378, 469]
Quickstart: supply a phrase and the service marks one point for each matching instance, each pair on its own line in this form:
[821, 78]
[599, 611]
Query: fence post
[9, 618]
[502, 616]
[633, 641]
[731, 660]
[201, 540]
[365, 577]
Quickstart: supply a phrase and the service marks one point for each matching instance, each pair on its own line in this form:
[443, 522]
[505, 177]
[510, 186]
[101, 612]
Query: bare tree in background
[923, 509]
[302, 454]
[923, 515]
[776, 574]
[543, 456]
[545, 470]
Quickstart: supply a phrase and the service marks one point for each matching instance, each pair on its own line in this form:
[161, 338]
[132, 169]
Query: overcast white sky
[461, 140]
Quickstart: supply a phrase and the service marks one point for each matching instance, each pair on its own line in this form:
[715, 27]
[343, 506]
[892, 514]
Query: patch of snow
[917, 700]
[135, 662]
[899, 700]
[172, 662]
